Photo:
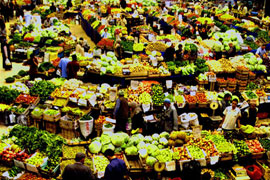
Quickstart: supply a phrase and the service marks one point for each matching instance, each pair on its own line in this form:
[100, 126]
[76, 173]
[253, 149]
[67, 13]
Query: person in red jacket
[73, 67]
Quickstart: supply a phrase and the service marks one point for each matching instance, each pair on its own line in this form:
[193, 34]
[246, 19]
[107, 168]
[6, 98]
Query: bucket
[108, 130]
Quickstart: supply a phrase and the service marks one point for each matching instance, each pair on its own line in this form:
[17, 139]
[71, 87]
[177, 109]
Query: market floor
[16, 67]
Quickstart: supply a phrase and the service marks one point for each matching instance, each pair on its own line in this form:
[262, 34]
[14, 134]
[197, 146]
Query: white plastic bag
[86, 127]
[7, 62]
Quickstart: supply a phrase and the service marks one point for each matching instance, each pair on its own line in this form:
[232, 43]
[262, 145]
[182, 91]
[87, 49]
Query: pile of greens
[201, 66]
[43, 89]
[8, 95]
[127, 45]
[221, 26]
[45, 66]
[32, 139]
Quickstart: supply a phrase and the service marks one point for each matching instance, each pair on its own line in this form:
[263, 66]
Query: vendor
[232, 51]
[69, 4]
[213, 29]
[250, 115]
[123, 4]
[136, 116]
[169, 52]
[84, 44]
[117, 49]
[170, 117]
[52, 8]
[261, 52]
[179, 53]
[225, 102]
[231, 118]
[135, 34]
[218, 48]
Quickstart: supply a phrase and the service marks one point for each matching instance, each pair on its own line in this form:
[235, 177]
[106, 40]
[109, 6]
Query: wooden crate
[68, 124]
[54, 118]
[265, 171]
[38, 123]
[52, 127]
[69, 134]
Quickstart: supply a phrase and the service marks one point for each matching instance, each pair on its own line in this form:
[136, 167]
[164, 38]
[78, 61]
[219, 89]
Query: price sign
[169, 84]
[212, 78]
[112, 96]
[196, 130]
[146, 107]
[193, 93]
[134, 84]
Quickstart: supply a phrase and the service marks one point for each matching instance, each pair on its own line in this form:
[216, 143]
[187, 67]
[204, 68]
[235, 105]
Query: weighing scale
[214, 106]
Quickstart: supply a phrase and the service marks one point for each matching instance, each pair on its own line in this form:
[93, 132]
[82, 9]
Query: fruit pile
[248, 129]
[133, 97]
[195, 152]
[145, 98]
[201, 97]
[191, 99]
[206, 145]
[31, 176]
[254, 146]
[177, 138]
[71, 151]
[158, 95]
[36, 160]
[22, 156]
[10, 153]
[242, 148]
[180, 153]
[60, 102]
[222, 145]
[100, 163]
[25, 99]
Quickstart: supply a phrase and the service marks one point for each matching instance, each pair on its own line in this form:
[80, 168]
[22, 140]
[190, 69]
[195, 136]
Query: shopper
[121, 112]
[63, 64]
[78, 170]
[33, 67]
[136, 116]
[218, 49]
[84, 44]
[170, 117]
[73, 67]
[105, 34]
[118, 49]
[6, 12]
[213, 29]
[169, 52]
[79, 48]
[117, 169]
[250, 115]
[231, 117]
[232, 51]
[4, 46]
[203, 32]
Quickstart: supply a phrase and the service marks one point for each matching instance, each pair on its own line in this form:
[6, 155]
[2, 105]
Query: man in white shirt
[232, 116]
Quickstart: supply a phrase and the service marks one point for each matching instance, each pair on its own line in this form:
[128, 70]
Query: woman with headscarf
[136, 115]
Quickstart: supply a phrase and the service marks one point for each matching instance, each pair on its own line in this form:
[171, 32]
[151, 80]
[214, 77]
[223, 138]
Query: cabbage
[95, 147]
[148, 139]
[260, 61]
[141, 145]
[150, 161]
[124, 135]
[164, 134]
[131, 151]
[155, 136]
[156, 153]
[155, 143]
[261, 68]
[143, 153]
[117, 139]
[105, 139]
[163, 141]
[152, 148]
[107, 146]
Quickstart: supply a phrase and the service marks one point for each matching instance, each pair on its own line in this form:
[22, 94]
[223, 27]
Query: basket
[52, 127]
[69, 134]
[48, 174]
[68, 124]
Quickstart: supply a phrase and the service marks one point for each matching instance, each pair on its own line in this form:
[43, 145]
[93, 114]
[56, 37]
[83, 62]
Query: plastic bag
[7, 62]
